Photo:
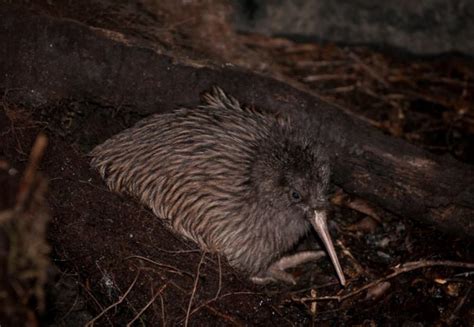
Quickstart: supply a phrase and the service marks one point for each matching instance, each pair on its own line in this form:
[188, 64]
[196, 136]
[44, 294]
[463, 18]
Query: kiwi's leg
[276, 271]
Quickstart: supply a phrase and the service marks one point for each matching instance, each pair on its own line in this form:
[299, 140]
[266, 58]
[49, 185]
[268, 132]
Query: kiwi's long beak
[321, 227]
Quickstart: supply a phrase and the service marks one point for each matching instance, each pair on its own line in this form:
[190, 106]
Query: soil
[114, 261]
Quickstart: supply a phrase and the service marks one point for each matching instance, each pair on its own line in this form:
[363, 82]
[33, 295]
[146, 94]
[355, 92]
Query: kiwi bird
[242, 182]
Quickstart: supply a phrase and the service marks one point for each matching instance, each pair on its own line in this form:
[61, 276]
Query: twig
[375, 75]
[313, 307]
[341, 89]
[329, 77]
[433, 79]
[178, 251]
[162, 302]
[349, 112]
[70, 309]
[283, 316]
[158, 293]
[196, 281]
[29, 176]
[220, 277]
[94, 299]
[341, 198]
[225, 317]
[456, 310]
[465, 274]
[113, 305]
[376, 95]
[206, 304]
[428, 97]
[319, 64]
[355, 263]
[216, 297]
[171, 268]
[400, 269]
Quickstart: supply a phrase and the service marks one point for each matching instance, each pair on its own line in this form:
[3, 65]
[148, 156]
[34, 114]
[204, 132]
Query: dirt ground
[114, 263]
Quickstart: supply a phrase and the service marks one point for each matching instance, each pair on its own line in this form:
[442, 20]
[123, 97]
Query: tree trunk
[44, 59]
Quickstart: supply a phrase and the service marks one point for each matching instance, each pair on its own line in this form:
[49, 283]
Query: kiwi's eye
[295, 196]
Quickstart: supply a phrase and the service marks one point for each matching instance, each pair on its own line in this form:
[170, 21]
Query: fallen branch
[400, 269]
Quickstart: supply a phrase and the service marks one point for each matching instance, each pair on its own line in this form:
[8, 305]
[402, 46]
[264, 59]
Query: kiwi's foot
[276, 272]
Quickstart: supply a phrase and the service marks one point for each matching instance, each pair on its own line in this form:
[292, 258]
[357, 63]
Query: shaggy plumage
[235, 180]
